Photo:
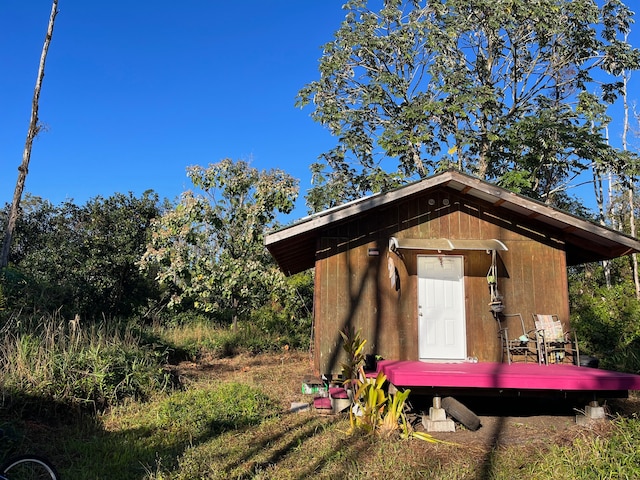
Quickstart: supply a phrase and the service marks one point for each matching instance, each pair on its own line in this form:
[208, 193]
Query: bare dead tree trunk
[600, 202]
[634, 256]
[632, 214]
[34, 127]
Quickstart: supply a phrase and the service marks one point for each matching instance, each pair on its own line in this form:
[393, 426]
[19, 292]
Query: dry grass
[306, 444]
[299, 445]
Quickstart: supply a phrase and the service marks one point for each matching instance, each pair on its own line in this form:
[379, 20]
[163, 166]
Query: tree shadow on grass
[30, 425]
[509, 411]
[233, 453]
[81, 447]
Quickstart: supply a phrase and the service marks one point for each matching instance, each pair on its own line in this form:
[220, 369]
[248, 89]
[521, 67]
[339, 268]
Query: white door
[441, 318]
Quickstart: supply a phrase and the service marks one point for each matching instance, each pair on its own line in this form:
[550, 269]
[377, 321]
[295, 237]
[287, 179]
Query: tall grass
[231, 428]
[101, 364]
[191, 339]
[616, 456]
[97, 365]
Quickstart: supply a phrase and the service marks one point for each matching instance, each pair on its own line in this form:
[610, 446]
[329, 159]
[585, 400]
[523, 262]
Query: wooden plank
[318, 311]
[454, 223]
[522, 376]
[354, 289]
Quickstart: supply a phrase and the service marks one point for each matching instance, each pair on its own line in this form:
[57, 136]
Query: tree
[490, 87]
[209, 250]
[32, 132]
[82, 259]
[114, 233]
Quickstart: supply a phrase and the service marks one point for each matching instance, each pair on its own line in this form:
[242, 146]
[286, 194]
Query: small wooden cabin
[416, 269]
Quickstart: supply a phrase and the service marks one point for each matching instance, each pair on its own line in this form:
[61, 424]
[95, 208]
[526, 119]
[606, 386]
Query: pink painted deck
[517, 376]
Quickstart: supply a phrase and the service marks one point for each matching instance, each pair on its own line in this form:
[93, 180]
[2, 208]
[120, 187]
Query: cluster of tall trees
[125, 256]
[513, 91]
[517, 92]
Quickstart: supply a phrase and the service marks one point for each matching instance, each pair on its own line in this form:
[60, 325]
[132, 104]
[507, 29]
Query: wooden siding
[353, 288]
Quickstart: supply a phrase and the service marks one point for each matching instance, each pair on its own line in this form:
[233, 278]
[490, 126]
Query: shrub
[605, 322]
[280, 328]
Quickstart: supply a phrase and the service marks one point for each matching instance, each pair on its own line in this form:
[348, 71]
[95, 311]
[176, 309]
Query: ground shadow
[92, 450]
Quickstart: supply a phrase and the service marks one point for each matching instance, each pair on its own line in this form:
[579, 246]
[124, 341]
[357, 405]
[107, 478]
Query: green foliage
[595, 457]
[96, 366]
[605, 317]
[283, 330]
[353, 346]
[219, 429]
[374, 411]
[81, 260]
[12, 284]
[295, 302]
[163, 432]
[367, 413]
[254, 339]
[205, 413]
[486, 87]
[209, 252]
[189, 339]
[247, 338]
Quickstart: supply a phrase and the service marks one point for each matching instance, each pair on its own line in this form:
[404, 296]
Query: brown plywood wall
[353, 287]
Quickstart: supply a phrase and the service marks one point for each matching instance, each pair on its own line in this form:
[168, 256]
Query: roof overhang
[294, 247]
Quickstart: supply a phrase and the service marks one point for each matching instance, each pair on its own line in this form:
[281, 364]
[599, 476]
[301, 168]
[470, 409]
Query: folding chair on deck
[517, 342]
[554, 344]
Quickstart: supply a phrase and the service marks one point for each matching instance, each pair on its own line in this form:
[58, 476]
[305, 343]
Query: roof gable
[294, 246]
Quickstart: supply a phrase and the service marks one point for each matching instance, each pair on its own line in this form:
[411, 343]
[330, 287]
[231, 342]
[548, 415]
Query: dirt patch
[279, 374]
[503, 421]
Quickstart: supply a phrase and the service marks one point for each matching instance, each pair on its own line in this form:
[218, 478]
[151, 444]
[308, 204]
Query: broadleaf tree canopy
[209, 252]
[494, 88]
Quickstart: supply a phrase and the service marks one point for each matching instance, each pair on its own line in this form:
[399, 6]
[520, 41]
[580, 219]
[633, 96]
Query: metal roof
[294, 247]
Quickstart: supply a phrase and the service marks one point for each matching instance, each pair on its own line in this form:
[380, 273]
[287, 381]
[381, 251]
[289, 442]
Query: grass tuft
[97, 366]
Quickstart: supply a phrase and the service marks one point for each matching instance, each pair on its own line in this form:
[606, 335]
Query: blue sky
[136, 91]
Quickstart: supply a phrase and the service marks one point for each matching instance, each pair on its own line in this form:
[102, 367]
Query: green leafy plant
[353, 346]
[395, 417]
[369, 404]
[389, 72]
[209, 251]
[375, 411]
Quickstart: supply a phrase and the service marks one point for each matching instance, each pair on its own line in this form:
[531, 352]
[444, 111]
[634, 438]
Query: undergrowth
[597, 457]
[98, 365]
[136, 439]
[94, 366]
[231, 428]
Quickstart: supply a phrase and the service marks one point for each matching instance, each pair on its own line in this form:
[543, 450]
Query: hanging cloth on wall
[391, 268]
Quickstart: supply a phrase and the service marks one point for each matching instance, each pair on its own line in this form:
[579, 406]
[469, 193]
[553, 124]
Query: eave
[294, 247]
